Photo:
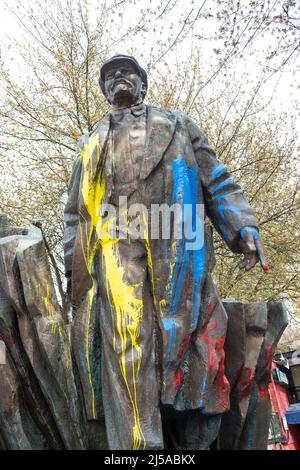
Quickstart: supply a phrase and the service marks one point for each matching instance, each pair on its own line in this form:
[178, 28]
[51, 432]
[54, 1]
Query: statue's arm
[225, 203]
[71, 215]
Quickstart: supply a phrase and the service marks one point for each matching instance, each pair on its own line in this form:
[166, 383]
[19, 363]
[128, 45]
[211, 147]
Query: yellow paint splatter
[149, 256]
[93, 190]
[126, 308]
[55, 326]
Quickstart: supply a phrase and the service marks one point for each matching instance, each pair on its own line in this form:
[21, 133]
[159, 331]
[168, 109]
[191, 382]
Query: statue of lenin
[149, 326]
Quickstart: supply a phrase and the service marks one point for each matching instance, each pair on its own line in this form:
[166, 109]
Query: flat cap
[121, 58]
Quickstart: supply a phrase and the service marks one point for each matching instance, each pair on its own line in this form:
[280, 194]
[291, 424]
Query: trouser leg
[130, 387]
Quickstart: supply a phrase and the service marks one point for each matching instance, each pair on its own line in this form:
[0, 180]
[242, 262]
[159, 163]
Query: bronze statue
[149, 325]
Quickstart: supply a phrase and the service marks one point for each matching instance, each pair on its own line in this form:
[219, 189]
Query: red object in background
[280, 400]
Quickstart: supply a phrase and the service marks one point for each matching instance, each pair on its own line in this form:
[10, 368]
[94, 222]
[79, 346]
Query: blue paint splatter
[198, 254]
[218, 171]
[203, 385]
[181, 195]
[252, 230]
[171, 326]
[224, 183]
[185, 193]
[229, 208]
[224, 209]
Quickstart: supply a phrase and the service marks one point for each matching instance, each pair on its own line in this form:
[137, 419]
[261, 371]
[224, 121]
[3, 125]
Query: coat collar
[137, 110]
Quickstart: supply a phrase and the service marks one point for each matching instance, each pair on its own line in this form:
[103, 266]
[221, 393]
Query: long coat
[149, 325]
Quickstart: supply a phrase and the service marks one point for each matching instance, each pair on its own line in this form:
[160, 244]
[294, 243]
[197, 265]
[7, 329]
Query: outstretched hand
[253, 249]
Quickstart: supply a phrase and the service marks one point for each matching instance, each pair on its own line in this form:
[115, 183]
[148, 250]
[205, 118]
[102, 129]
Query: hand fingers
[260, 253]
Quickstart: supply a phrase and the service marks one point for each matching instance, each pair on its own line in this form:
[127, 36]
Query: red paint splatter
[208, 313]
[263, 391]
[179, 377]
[245, 381]
[211, 343]
[223, 385]
[209, 309]
[187, 339]
[216, 359]
[179, 374]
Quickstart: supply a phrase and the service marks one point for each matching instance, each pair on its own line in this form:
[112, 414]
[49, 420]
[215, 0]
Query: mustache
[121, 80]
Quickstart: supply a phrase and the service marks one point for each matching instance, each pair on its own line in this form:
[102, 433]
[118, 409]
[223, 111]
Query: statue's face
[123, 85]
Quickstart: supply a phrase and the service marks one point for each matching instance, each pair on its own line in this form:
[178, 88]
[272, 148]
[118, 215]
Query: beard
[124, 91]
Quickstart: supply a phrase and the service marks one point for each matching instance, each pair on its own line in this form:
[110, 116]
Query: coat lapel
[160, 131]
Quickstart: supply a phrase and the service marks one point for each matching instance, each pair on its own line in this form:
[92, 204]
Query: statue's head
[123, 81]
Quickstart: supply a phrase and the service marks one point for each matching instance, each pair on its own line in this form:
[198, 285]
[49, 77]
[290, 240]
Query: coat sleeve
[71, 215]
[224, 199]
